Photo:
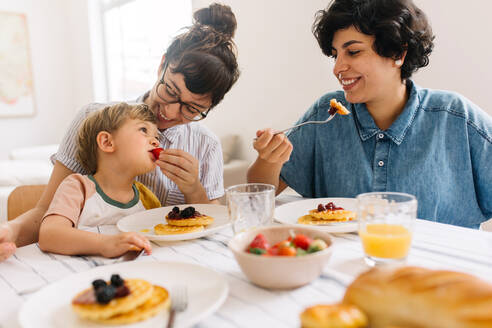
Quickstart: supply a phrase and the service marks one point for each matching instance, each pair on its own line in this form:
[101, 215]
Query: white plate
[146, 220]
[50, 307]
[290, 212]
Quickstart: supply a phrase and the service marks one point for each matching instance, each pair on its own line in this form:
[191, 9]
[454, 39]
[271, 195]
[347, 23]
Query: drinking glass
[386, 221]
[250, 205]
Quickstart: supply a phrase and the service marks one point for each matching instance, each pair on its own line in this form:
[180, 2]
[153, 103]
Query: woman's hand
[7, 246]
[117, 245]
[273, 149]
[181, 168]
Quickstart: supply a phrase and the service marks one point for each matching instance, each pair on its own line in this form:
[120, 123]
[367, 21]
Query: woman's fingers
[177, 171]
[281, 153]
[173, 155]
[181, 168]
[278, 145]
[264, 138]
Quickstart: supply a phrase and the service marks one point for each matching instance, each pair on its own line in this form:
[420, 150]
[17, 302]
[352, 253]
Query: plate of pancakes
[151, 286]
[178, 222]
[335, 215]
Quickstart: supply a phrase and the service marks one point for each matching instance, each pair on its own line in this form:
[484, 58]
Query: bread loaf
[417, 297]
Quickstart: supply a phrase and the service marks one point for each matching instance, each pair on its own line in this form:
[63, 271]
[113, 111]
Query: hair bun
[219, 17]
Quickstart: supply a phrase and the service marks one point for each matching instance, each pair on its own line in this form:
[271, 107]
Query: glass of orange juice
[386, 221]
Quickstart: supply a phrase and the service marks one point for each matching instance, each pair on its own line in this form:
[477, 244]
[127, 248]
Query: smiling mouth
[348, 83]
[162, 116]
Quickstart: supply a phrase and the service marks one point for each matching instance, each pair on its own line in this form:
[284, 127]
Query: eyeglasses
[167, 95]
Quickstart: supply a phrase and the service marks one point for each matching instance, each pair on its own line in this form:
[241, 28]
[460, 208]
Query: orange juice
[386, 240]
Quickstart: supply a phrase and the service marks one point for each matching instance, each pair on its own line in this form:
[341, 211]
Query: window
[135, 35]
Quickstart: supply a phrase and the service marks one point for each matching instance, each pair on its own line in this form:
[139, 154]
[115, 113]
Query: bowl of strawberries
[282, 257]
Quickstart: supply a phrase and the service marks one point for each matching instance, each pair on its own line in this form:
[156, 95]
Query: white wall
[461, 60]
[58, 44]
[283, 70]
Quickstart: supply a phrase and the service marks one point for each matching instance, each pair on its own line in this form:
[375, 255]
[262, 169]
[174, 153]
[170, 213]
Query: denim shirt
[438, 149]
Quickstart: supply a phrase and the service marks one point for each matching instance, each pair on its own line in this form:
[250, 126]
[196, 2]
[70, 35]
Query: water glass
[386, 221]
[250, 205]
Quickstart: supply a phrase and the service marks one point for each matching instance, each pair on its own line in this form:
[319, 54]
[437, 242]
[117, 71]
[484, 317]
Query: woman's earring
[398, 62]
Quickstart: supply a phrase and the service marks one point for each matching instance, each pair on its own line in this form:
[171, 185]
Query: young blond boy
[114, 145]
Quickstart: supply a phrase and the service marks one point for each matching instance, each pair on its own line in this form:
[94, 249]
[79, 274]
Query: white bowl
[280, 272]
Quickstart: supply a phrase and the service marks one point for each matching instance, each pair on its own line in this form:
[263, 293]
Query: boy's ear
[105, 141]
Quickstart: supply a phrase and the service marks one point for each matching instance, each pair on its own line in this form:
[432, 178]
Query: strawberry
[302, 241]
[259, 242]
[156, 152]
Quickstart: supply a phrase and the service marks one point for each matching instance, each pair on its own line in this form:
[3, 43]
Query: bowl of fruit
[282, 257]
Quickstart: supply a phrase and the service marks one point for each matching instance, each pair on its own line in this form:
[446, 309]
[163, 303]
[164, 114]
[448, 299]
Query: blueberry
[104, 295]
[98, 283]
[188, 212]
[116, 280]
[176, 209]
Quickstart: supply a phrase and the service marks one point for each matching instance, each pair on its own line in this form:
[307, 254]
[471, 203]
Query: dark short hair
[205, 54]
[397, 26]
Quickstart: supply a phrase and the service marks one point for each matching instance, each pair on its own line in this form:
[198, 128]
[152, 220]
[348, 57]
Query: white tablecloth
[437, 246]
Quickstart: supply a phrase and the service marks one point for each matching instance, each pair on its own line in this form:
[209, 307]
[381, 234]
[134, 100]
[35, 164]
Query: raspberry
[122, 291]
[321, 208]
[330, 206]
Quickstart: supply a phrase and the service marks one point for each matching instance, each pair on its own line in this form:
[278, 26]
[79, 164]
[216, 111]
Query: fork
[304, 123]
[129, 256]
[179, 302]
[308, 122]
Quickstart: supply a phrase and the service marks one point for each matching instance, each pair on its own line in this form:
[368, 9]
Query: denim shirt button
[380, 136]
[380, 163]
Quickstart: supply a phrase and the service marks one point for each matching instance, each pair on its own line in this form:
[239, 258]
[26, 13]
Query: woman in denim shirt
[433, 144]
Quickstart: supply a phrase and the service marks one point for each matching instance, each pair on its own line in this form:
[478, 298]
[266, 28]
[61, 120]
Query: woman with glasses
[197, 70]
[436, 145]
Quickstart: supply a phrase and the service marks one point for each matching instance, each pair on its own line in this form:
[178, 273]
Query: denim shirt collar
[170, 134]
[397, 131]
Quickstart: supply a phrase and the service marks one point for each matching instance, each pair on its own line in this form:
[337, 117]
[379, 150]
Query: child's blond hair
[108, 119]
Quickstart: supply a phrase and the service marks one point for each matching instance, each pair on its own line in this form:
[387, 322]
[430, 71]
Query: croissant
[417, 297]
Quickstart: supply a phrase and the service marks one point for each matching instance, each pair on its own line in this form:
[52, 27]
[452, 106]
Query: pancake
[308, 219]
[335, 215]
[158, 301]
[339, 107]
[202, 220]
[166, 229]
[140, 292]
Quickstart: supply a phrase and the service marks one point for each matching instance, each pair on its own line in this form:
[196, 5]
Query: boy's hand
[117, 245]
[181, 168]
[273, 149]
[7, 246]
